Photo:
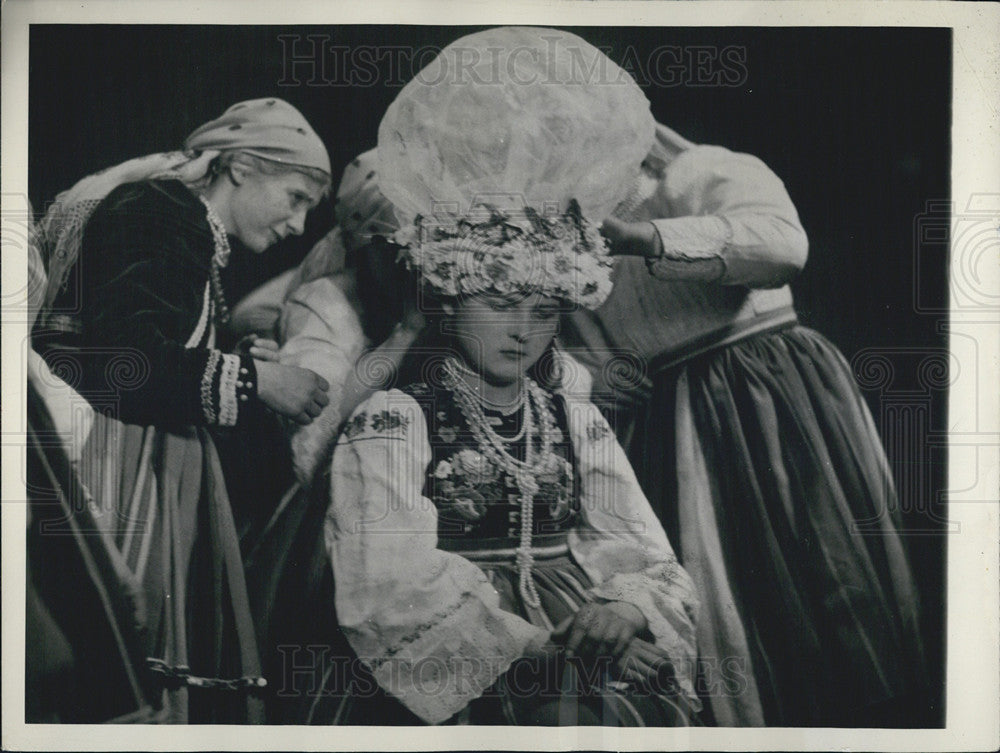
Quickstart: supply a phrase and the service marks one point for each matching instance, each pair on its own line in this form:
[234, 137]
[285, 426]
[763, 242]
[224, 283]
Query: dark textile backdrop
[855, 121]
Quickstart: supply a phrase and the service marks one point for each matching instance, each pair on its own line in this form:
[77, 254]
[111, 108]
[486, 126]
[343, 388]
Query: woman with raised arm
[755, 448]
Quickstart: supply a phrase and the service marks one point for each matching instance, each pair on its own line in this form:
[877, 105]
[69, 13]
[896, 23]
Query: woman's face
[265, 209]
[502, 337]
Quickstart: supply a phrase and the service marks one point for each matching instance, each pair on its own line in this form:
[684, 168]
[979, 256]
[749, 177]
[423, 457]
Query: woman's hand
[298, 394]
[264, 350]
[632, 238]
[643, 662]
[259, 348]
[599, 630]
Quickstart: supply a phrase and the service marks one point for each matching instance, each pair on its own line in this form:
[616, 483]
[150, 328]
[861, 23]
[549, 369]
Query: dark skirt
[161, 511]
[763, 462]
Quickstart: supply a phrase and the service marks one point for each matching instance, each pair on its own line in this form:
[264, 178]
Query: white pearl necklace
[492, 446]
[219, 259]
[219, 234]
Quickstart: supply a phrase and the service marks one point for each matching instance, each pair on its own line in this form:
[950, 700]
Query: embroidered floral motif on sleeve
[228, 405]
[356, 425]
[207, 378]
[389, 420]
[597, 431]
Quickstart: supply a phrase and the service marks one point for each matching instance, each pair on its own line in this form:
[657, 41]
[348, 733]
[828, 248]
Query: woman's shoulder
[156, 214]
[161, 207]
[586, 424]
[150, 195]
[390, 414]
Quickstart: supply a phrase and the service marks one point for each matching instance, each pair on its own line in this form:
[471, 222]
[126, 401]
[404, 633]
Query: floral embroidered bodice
[424, 538]
[478, 504]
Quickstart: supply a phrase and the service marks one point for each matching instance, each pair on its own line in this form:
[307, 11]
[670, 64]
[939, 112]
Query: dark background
[855, 121]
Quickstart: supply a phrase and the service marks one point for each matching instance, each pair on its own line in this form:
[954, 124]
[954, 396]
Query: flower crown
[506, 252]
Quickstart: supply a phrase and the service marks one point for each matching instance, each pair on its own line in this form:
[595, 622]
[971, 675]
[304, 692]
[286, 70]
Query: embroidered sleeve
[146, 337]
[726, 217]
[228, 381]
[427, 622]
[622, 547]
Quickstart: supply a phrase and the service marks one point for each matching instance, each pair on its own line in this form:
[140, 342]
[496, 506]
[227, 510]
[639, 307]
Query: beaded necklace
[493, 447]
[457, 369]
[219, 259]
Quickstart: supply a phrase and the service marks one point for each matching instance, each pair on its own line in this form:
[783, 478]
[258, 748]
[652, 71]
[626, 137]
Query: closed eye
[300, 199]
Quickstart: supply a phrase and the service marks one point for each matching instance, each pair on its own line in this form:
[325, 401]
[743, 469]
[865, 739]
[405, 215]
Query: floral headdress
[503, 156]
[561, 256]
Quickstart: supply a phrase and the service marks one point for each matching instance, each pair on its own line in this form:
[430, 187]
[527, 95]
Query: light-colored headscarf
[362, 209]
[268, 128]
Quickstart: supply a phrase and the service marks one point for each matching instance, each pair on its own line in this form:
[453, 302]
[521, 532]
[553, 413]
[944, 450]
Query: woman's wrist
[247, 385]
[653, 246]
[631, 613]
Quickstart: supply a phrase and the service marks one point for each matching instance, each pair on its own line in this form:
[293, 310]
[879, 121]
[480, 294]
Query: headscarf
[362, 209]
[502, 157]
[267, 128]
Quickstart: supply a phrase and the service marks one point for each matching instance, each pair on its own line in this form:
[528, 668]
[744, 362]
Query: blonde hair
[262, 166]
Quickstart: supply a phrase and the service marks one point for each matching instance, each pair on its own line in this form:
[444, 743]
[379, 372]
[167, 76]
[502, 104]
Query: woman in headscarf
[130, 319]
[350, 313]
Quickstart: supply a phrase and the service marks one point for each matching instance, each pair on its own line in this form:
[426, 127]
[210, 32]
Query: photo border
[973, 599]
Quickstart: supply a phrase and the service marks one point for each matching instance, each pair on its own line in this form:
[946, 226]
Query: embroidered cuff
[693, 249]
[227, 381]
[442, 667]
[246, 381]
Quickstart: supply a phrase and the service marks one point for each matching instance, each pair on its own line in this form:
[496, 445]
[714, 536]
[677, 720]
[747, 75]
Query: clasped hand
[609, 631]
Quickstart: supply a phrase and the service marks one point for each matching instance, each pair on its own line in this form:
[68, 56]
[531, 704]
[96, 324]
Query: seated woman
[479, 519]
[494, 557]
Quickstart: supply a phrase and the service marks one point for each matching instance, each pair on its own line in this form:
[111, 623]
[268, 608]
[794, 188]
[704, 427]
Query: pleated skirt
[765, 466]
[162, 512]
